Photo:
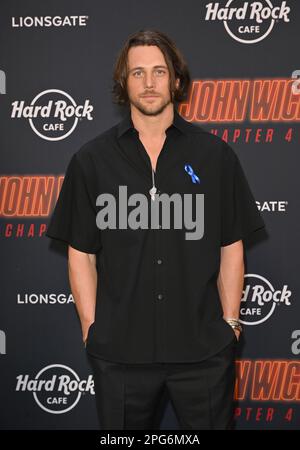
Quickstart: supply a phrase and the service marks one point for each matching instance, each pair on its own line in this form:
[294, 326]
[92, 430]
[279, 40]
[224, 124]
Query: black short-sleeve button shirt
[157, 297]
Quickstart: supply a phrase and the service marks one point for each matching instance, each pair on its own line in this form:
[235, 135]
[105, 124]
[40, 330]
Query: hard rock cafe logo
[260, 299]
[53, 114]
[56, 388]
[248, 22]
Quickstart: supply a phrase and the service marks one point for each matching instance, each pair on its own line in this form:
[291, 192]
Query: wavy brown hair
[174, 60]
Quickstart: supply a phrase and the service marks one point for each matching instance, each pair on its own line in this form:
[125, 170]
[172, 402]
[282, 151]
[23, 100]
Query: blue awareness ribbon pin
[190, 171]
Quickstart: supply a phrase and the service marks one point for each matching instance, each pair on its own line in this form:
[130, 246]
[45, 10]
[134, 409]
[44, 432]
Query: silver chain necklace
[153, 189]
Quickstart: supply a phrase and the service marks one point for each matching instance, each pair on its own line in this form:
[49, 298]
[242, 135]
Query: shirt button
[159, 261]
[160, 296]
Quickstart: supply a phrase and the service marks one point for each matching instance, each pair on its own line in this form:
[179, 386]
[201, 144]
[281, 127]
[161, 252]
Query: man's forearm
[231, 279]
[83, 282]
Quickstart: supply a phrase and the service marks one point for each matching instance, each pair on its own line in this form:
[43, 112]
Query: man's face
[148, 80]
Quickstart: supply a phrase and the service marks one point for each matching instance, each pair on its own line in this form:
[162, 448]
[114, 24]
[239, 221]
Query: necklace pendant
[153, 192]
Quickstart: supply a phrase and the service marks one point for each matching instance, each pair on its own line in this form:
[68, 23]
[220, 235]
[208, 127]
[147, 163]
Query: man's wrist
[234, 323]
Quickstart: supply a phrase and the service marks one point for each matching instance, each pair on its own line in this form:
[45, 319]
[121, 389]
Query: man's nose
[149, 80]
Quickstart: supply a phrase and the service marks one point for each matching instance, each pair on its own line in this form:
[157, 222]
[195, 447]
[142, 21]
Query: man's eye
[139, 72]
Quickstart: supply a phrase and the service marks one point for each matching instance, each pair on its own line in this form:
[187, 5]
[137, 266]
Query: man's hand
[231, 279]
[83, 277]
[237, 333]
[85, 330]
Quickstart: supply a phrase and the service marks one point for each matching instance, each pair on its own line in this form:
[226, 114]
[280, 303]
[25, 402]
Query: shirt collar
[178, 122]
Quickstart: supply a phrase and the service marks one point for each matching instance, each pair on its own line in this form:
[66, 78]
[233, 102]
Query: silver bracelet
[235, 324]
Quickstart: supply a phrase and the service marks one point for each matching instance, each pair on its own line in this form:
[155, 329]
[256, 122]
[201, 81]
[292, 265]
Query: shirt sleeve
[74, 216]
[240, 216]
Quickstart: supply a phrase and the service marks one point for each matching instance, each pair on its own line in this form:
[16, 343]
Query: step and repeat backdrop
[56, 63]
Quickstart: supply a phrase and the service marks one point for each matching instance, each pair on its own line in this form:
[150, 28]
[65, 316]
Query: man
[159, 305]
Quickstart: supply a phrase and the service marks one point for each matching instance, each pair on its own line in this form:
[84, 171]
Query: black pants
[201, 393]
